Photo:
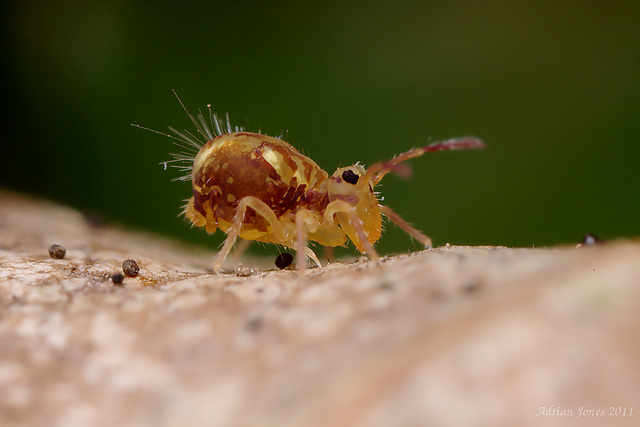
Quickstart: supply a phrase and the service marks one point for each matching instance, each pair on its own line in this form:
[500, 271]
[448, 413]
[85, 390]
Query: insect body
[257, 187]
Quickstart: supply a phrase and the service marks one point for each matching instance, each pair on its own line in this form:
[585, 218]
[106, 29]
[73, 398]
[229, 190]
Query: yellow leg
[263, 210]
[303, 217]
[340, 206]
[241, 248]
[312, 255]
[405, 226]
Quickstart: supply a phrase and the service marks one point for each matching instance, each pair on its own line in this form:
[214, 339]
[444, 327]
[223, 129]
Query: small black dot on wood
[385, 285]
[254, 324]
[284, 260]
[130, 267]
[56, 251]
[117, 279]
[471, 288]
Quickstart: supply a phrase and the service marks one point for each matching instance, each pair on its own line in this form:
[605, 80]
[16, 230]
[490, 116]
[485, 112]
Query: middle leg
[263, 210]
[303, 216]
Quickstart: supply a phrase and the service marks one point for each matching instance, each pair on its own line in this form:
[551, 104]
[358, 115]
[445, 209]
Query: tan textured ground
[452, 336]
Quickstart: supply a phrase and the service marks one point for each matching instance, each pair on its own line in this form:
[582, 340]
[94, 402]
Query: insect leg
[240, 249]
[328, 253]
[261, 209]
[312, 255]
[405, 226]
[340, 206]
[302, 216]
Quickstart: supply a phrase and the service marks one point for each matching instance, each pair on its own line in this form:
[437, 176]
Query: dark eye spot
[350, 177]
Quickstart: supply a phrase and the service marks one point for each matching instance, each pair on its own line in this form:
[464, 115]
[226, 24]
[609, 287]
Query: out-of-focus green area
[552, 87]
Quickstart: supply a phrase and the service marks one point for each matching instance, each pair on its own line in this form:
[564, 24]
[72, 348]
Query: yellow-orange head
[355, 184]
[350, 185]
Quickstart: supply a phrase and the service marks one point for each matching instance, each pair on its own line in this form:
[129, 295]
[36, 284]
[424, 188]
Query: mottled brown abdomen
[237, 165]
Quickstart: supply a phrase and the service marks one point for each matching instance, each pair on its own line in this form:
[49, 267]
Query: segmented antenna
[380, 169]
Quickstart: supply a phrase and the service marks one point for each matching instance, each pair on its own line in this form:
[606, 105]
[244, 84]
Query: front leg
[405, 226]
[362, 243]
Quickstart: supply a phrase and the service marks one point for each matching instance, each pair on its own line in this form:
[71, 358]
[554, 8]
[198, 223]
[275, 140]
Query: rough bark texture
[451, 336]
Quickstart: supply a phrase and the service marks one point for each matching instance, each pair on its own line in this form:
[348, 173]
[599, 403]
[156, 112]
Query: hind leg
[239, 249]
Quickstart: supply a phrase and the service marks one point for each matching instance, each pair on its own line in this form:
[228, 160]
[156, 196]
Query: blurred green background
[552, 87]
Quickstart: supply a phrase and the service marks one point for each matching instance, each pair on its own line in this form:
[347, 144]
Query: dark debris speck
[117, 279]
[130, 267]
[386, 285]
[254, 324]
[471, 288]
[57, 252]
[284, 260]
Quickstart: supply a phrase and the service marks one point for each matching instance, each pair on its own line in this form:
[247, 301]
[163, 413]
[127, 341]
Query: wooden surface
[478, 336]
